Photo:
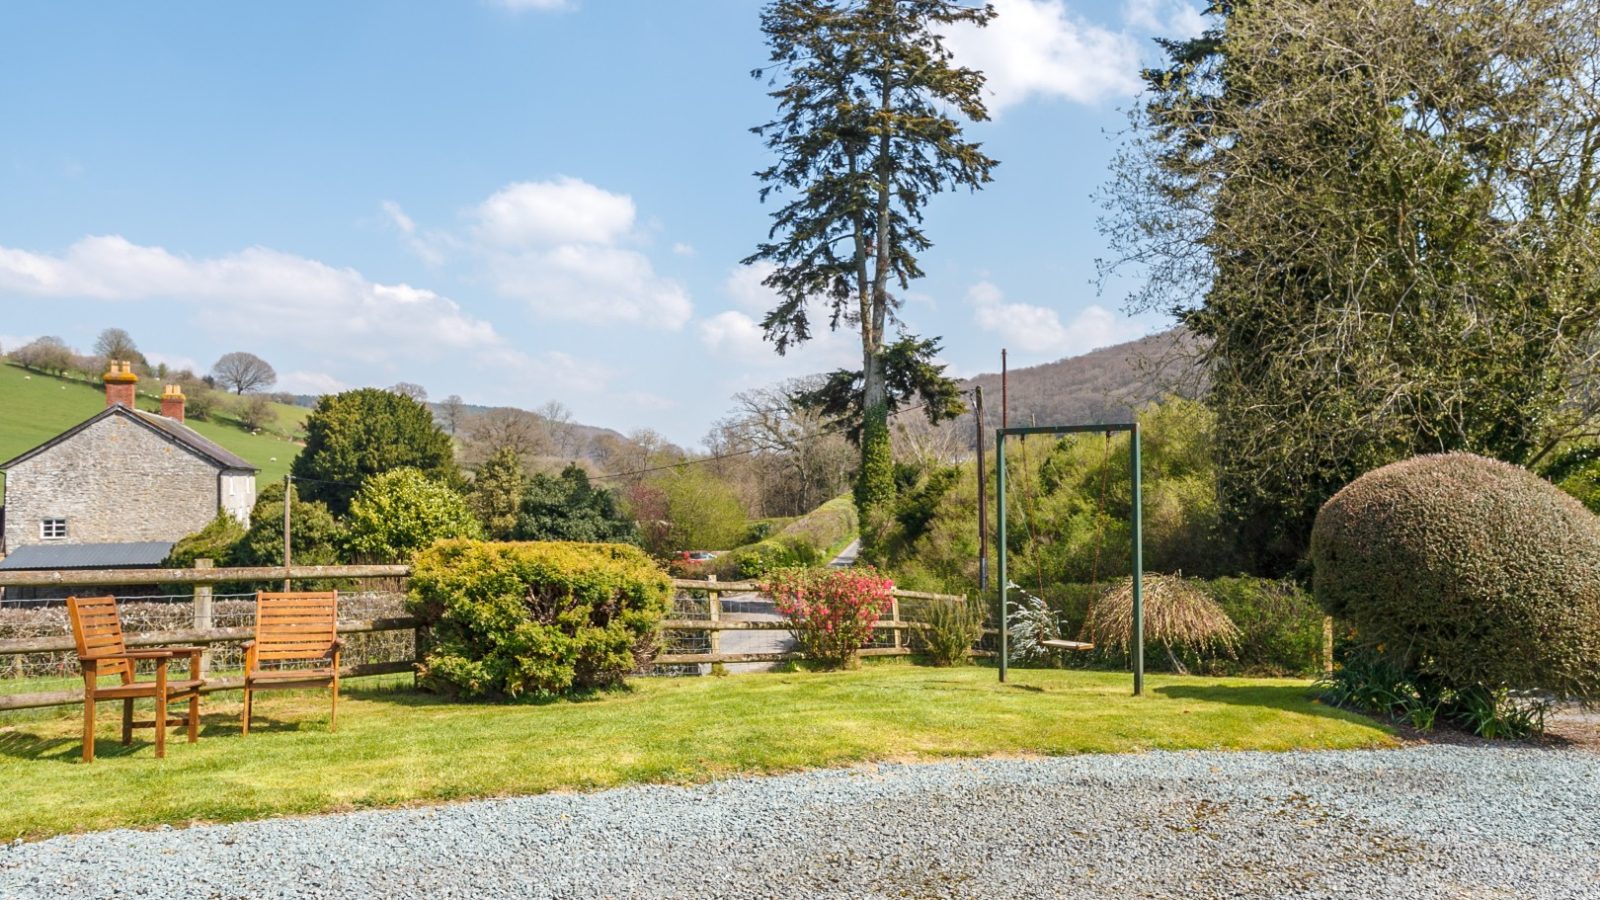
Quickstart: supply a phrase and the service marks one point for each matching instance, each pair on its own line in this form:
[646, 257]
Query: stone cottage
[126, 483]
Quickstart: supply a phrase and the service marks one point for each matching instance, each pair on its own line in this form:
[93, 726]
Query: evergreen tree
[865, 135]
[360, 433]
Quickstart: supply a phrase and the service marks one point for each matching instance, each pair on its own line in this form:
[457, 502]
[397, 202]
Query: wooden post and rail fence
[203, 577]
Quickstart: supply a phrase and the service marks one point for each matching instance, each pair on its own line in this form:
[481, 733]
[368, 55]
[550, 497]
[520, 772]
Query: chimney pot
[121, 384]
[172, 402]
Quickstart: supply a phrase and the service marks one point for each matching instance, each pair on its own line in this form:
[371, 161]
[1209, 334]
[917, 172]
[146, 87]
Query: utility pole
[983, 505]
[288, 501]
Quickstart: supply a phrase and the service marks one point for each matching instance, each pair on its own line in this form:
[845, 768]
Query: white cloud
[1039, 330]
[682, 249]
[592, 283]
[10, 342]
[566, 210]
[744, 286]
[1175, 19]
[303, 382]
[175, 362]
[562, 246]
[734, 335]
[271, 296]
[1039, 48]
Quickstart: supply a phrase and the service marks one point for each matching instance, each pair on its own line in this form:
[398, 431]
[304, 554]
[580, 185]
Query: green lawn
[395, 746]
[35, 408]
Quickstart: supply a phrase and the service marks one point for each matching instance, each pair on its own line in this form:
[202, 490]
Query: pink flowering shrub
[831, 610]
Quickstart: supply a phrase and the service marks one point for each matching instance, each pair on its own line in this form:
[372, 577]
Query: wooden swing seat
[1067, 645]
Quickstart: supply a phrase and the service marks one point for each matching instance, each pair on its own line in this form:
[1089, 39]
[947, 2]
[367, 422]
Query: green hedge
[1468, 571]
[810, 540]
[508, 619]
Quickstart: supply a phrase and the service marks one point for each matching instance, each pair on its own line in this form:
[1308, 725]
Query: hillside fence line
[39, 666]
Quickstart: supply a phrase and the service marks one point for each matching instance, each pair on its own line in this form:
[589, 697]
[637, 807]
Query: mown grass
[35, 408]
[396, 746]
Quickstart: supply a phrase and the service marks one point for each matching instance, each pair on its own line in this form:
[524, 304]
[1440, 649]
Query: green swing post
[1136, 527]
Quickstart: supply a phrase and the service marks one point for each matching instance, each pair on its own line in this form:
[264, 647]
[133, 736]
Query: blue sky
[516, 201]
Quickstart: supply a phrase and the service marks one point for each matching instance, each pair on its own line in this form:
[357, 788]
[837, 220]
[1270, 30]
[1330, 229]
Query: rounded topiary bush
[507, 619]
[1467, 570]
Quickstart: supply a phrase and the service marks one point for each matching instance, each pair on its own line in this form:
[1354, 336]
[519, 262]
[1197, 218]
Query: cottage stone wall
[115, 481]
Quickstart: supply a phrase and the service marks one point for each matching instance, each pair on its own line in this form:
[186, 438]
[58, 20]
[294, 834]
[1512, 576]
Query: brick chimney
[172, 402]
[120, 384]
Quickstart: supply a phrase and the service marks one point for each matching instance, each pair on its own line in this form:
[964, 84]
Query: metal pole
[1000, 490]
[1138, 564]
[1005, 396]
[983, 505]
[288, 501]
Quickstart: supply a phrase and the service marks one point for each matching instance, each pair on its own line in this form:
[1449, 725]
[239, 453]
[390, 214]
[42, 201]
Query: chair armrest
[147, 653]
[247, 645]
[338, 643]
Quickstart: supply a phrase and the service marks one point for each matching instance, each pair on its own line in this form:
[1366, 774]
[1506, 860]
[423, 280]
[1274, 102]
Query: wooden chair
[299, 627]
[102, 652]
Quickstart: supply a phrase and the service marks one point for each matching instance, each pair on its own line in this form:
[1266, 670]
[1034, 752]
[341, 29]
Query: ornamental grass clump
[1477, 579]
[1178, 616]
[831, 611]
[512, 619]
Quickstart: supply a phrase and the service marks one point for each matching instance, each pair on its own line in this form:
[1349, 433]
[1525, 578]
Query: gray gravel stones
[1431, 821]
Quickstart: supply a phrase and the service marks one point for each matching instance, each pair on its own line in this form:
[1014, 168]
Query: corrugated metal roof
[137, 555]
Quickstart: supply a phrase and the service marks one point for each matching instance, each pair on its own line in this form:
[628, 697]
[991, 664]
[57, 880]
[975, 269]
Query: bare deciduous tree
[242, 372]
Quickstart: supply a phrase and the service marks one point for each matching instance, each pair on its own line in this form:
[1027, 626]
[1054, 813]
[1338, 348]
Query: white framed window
[53, 529]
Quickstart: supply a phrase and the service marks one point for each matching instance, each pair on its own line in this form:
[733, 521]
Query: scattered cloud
[1039, 330]
[275, 296]
[314, 383]
[682, 249]
[1175, 19]
[428, 246]
[1040, 48]
[175, 363]
[564, 247]
[563, 211]
[743, 285]
[10, 342]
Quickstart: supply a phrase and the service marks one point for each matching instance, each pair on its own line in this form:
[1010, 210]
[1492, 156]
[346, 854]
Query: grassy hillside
[35, 408]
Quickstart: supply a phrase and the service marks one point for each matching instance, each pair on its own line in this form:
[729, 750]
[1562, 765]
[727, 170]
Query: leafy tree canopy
[397, 513]
[567, 507]
[357, 434]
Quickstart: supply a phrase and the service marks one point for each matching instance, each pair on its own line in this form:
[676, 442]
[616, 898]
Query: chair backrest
[96, 629]
[296, 626]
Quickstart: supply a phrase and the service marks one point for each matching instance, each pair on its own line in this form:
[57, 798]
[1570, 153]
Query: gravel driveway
[1420, 822]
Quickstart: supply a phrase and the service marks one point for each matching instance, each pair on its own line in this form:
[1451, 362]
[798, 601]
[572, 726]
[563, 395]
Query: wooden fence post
[714, 613]
[1327, 646]
[202, 614]
[894, 616]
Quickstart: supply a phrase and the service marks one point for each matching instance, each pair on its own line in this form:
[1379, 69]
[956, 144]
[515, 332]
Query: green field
[35, 408]
[398, 747]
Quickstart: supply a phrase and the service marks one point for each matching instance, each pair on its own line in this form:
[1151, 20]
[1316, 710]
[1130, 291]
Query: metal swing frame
[1135, 521]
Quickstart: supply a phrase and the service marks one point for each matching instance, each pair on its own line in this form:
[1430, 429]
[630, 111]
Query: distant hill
[1100, 386]
[35, 408]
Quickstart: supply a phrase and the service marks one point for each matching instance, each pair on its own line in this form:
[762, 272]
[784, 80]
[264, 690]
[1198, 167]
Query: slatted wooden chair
[102, 653]
[294, 628]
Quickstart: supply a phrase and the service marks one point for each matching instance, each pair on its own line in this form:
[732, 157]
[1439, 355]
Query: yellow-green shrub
[508, 619]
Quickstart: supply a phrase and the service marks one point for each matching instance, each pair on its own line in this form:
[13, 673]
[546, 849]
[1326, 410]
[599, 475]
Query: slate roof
[170, 429]
[138, 555]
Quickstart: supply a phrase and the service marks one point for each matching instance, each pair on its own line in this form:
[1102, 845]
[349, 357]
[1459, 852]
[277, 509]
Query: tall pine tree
[866, 134]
